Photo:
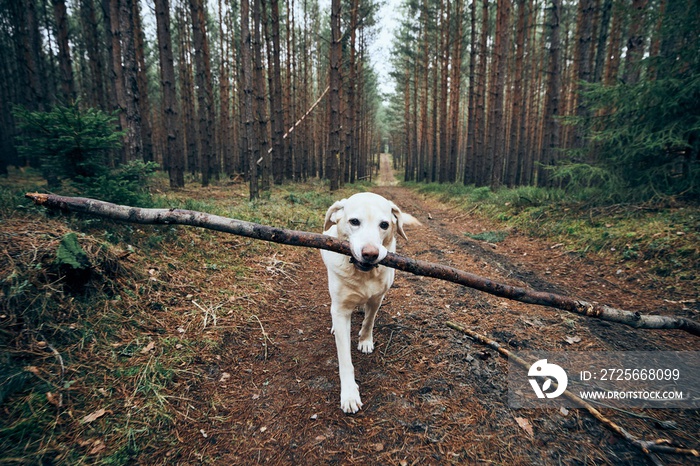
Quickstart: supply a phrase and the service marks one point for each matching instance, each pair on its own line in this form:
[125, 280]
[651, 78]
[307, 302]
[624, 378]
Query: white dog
[370, 224]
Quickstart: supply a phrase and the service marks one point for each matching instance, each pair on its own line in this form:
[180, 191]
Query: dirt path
[431, 395]
[386, 171]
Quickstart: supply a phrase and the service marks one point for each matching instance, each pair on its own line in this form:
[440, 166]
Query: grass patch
[97, 315]
[489, 236]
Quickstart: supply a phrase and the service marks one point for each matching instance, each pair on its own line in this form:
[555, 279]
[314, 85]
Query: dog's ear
[403, 219]
[333, 214]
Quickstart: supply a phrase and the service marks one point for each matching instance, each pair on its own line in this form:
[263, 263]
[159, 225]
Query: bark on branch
[396, 261]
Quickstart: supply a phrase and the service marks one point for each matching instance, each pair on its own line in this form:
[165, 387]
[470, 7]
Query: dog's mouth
[363, 266]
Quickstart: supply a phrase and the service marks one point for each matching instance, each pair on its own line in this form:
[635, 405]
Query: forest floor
[266, 390]
[431, 396]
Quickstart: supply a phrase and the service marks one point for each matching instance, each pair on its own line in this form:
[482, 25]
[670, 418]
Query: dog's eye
[384, 225]
[354, 222]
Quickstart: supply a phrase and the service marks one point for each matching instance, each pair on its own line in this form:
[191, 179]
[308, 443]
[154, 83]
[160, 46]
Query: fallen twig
[647, 446]
[318, 241]
[265, 335]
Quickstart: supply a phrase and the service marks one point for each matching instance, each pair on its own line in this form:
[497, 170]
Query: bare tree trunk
[142, 82]
[334, 155]
[480, 153]
[550, 124]
[232, 160]
[64, 56]
[276, 108]
[112, 97]
[455, 89]
[582, 64]
[471, 122]
[531, 122]
[635, 41]
[497, 119]
[252, 151]
[516, 133]
[288, 104]
[444, 80]
[614, 52]
[133, 144]
[262, 160]
[92, 43]
[318, 241]
[225, 145]
[602, 40]
[189, 121]
[205, 93]
[352, 107]
[174, 154]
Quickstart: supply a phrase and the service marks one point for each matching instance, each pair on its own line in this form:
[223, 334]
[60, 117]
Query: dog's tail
[409, 220]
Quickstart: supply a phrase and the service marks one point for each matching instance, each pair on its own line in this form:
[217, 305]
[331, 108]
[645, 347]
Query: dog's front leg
[349, 391]
[366, 342]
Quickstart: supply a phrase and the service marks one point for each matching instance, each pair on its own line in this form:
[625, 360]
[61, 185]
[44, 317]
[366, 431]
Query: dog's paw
[350, 400]
[366, 346]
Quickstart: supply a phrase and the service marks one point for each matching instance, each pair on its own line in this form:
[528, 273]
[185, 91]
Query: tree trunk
[471, 122]
[262, 157]
[116, 68]
[133, 144]
[276, 108]
[352, 107]
[112, 100]
[582, 64]
[497, 123]
[288, 104]
[252, 152]
[96, 88]
[480, 153]
[142, 82]
[550, 123]
[205, 93]
[189, 120]
[455, 90]
[516, 133]
[333, 155]
[602, 40]
[225, 138]
[615, 47]
[443, 129]
[635, 42]
[64, 56]
[174, 154]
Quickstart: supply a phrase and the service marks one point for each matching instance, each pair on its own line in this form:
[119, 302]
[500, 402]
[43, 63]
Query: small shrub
[72, 147]
[67, 142]
[127, 184]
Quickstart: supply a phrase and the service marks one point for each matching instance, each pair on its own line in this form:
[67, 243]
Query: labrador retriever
[370, 224]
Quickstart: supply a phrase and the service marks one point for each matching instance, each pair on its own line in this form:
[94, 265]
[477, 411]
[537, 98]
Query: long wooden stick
[647, 446]
[396, 261]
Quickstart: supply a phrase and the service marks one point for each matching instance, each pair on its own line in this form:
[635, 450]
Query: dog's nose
[370, 253]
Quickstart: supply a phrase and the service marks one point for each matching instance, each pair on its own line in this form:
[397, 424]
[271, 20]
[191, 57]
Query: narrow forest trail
[386, 171]
[431, 395]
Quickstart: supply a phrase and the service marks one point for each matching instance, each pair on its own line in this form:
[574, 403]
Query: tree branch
[396, 261]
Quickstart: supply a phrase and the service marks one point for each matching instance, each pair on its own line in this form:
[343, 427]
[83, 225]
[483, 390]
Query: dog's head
[370, 224]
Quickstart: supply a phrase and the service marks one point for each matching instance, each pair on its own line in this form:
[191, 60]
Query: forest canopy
[594, 94]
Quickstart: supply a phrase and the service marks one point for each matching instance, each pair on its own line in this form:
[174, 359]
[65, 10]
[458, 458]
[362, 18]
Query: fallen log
[396, 261]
